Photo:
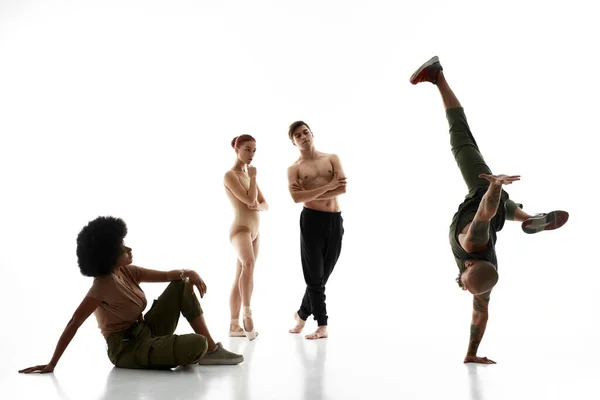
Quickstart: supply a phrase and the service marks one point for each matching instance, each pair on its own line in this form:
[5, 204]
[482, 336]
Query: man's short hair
[294, 126]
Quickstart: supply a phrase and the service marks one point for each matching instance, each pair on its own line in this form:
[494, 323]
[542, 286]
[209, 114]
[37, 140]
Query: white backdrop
[128, 109]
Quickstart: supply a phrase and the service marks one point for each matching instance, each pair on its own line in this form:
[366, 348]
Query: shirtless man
[316, 179]
[483, 212]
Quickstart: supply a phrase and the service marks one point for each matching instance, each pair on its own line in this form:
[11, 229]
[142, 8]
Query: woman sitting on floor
[135, 340]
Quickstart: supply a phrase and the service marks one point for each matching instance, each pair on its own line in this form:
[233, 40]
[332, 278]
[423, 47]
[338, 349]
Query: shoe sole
[234, 361]
[244, 334]
[224, 362]
[433, 60]
[548, 222]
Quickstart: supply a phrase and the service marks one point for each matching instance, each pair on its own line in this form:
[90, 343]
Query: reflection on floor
[348, 365]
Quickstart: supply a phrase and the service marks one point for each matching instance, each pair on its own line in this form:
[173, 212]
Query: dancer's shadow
[179, 383]
[187, 382]
[241, 375]
[59, 390]
[312, 366]
[476, 391]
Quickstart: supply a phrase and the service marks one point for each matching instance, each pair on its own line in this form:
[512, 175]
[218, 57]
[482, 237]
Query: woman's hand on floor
[41, 368]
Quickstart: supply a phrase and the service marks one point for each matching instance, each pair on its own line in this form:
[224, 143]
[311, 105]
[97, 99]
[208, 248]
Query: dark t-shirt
[465, 214]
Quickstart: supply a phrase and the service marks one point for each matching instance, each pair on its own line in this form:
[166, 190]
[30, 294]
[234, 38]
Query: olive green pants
[151, 344]
[469, 158]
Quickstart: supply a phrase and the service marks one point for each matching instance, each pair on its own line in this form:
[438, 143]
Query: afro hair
[99, 245]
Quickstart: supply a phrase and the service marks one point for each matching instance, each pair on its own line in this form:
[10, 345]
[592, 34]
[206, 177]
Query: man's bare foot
[299, 324]
[320, 333]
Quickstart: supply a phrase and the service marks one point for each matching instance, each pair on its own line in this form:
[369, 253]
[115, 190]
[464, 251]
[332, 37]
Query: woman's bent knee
[191, 348]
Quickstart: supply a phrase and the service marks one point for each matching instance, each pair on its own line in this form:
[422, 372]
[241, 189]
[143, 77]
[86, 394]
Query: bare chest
[315, 173]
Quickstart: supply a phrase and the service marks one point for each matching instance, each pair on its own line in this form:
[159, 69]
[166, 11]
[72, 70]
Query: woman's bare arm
[247, 197]
[152, 275]
[85, 309]
[260, 204]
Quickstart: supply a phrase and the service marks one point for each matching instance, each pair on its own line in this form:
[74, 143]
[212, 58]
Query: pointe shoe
[251, 335]
[234, 333]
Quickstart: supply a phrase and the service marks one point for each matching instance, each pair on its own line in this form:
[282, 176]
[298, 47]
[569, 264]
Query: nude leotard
[244, 220]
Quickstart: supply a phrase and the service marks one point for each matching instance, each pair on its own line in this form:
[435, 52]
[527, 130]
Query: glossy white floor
[384, 362]
[388, 338]
[127, 108]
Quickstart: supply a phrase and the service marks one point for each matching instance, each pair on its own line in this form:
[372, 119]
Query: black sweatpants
[320, 247]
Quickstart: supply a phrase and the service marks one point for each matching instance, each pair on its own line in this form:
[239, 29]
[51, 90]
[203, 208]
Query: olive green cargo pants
[469, 159]
[151, 343]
